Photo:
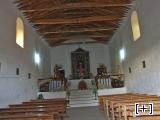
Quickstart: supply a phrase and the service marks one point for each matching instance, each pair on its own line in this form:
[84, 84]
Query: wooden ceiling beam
[76, 5]
[72, 37]
[76, 20]
[101, 24]
[80, 30]
[109, 33]
[56, 42]
[71, 43]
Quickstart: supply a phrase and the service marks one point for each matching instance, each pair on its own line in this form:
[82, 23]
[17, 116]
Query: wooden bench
[104, 97]
[122, 104]
[57, 108]
[62, 102]
[55, 99]
[27, 117]
[145, 118]
[46, 109]
[121, 107]
[124, 110]
[52, 100]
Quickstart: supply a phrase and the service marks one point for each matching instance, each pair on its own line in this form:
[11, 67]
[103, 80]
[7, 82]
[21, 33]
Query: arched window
[135, 26]
[20, 32]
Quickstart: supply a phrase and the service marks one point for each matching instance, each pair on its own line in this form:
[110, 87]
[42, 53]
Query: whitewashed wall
[112, 91]
[146, 48]
[13, 88]
[99, 54]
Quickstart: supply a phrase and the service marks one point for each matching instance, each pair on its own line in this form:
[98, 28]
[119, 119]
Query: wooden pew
[102, 99]
[55, 99]
[112, 100]
[120, 103]
[57, 108]
[47, 101]
[125, 110]
[115, 103]
[32, 111]
[145, 118]
[50, 101]
[49, 108]
[27, 117]
[58, 101]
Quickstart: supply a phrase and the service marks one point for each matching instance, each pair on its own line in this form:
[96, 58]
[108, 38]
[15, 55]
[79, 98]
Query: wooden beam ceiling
[76, 20]
[80, 30]
[75, 5]
[70, 43]
[58, 21]
[73, 37]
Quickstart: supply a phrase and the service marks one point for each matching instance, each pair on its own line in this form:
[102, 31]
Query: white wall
[146, 48]
[13, 88]
[99, 54]
[112, 91]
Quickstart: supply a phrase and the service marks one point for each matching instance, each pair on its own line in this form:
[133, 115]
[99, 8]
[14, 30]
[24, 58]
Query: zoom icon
[143, 108]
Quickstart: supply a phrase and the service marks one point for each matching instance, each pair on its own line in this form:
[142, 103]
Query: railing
[52, 84]
[109, 81]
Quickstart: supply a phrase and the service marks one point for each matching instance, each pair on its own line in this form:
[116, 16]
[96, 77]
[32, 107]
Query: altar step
[81, 92]
[82, 98]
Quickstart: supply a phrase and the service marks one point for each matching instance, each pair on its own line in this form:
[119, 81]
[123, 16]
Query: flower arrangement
[40, 97]
[95, 92]
[68, 93]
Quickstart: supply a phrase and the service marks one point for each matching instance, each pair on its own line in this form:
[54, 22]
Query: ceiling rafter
[76, 5]
[71, 43]
[89, 34]
[76, 20]
[80, 30]
[75, 13]
[71, 37]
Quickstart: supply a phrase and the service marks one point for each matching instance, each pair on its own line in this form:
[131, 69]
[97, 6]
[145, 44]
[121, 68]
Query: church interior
[79, 60]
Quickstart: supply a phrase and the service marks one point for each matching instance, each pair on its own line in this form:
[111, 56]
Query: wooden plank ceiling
[59, 20]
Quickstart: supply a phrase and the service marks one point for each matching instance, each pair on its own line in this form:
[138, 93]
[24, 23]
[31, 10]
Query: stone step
[82, 94]
[82, 98]
[84, 105]
[82, 90]
[83, 101]
[77, 94]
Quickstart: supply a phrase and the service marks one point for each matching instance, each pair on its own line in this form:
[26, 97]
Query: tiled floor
[84, 113]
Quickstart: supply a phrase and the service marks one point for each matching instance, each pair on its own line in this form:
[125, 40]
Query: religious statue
[56, 74]
[81, 69]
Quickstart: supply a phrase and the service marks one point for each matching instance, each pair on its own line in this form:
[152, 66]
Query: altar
[74, 84]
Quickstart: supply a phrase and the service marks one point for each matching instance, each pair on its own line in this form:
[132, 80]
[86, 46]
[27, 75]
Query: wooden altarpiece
[80, 64]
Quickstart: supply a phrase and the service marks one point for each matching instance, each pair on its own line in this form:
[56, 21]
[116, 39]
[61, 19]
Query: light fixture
[37, 58]
[122, 54]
